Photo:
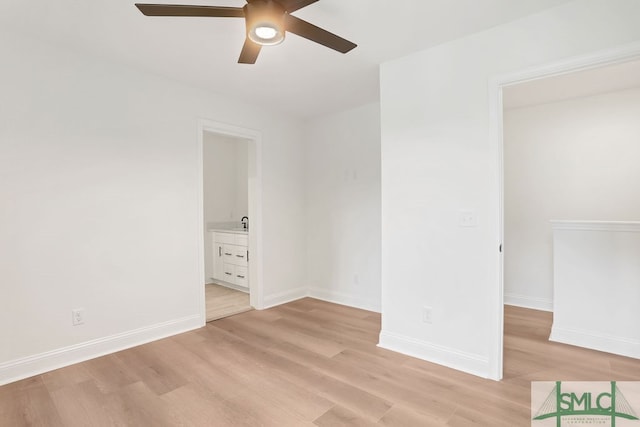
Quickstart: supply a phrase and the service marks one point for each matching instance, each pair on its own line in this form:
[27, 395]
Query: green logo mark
[611, 404]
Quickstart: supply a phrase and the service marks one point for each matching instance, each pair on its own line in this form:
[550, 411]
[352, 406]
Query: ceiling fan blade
[293, 5]
[186, 10]
[250, 52]
[309, 31]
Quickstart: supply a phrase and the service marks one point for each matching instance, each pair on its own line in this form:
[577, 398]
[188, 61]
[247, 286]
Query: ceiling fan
[266, 21]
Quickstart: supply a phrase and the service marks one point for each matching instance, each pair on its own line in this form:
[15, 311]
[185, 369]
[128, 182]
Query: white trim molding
[471, 363]
[626, 226]
[607, 343]
[617, 55]
[279, 298]
[535, 303]
[26, 367]
[345, 299]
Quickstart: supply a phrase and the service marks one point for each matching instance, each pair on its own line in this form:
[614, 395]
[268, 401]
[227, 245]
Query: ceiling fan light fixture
[265, 22]
[267, 34]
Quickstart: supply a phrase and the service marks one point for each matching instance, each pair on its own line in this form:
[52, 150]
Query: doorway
[230, 218]
[498, 86]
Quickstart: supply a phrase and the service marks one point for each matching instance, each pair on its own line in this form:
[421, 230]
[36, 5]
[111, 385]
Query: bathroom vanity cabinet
[231, 258]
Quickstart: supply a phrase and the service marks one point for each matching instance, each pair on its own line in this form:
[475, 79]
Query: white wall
[99, 189]
[438, 159]
[225, 178]
[571, 160]
[242, 180]
[596, 272]
[343, 207]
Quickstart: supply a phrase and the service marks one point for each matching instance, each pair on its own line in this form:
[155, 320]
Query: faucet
[245, 222]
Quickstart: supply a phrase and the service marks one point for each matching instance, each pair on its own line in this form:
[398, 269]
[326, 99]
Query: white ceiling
[298, 77]
[573, 85]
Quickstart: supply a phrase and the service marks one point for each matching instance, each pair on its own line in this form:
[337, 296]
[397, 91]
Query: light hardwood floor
[223, 302]
[304, 363]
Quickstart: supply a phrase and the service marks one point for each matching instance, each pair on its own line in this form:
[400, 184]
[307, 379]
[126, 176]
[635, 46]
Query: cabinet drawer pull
[219, 250]
[226, 253]
[242, 277]
[240, 256]
[228, 274]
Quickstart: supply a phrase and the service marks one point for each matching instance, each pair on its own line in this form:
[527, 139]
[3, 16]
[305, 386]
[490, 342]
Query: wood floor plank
[197, 406]
[283, 330]
[139, 405]
[221, 301]
[245, 332]
[110, 373]
[28, 403]
[82, 404]
[400, 415]
[160, 376]
[264, 410]
[300, 401]
[338, 416]
[320, 325]
[283, 364]
[69, 376]
[308, 362]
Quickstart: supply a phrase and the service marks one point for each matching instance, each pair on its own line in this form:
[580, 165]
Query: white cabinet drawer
[241, 278]
[229, 272]
[225, 238]
[240, 255]
[228, 252]
[236, 274]
[231, 238]
[233, 254]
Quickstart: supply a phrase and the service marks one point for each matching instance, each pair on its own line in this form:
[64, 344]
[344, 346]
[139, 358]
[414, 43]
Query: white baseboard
[535, 303]
[610, 344]
[451, 358]
[228, 285]
[273, 300]
[345, 299]
[26, 367]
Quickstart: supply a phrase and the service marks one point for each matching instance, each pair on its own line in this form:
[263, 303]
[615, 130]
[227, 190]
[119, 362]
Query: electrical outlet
[467, 218]
[427, 314]
[77, 316]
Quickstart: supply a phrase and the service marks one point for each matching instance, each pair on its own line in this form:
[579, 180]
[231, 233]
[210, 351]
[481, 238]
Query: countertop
[228, 230]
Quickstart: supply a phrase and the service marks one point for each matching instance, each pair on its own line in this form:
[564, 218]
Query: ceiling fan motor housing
[265, 14]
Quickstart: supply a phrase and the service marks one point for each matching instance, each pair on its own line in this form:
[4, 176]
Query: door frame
[256, 289]
[612, 56]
